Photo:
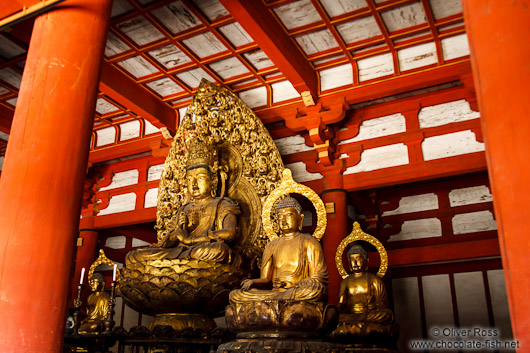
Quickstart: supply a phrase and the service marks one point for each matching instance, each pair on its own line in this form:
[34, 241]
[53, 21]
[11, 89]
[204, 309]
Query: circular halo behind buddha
[219, 170]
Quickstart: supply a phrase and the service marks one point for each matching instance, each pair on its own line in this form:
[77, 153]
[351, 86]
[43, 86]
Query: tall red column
[43, 174]
[86, 252]
[336, 230]
[498, 33]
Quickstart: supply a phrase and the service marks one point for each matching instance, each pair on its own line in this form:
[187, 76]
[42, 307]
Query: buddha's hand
[182, 220]
[162, 241]
[246, 284]
[305, 282]
[212, 235]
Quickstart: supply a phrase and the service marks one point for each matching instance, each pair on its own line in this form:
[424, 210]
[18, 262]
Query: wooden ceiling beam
[6, 118]
[132, 96]
[261, 25]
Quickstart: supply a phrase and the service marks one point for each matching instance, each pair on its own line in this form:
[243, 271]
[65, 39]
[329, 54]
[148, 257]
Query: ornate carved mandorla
[170, 277]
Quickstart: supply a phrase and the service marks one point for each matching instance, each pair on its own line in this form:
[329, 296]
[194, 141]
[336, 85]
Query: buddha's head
[96, 282]
[200, 170]
[358, 258]
[289, 214]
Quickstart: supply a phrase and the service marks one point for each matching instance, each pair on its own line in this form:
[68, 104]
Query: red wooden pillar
[86, 251]
[44, 171]
[334, 195]
[498, 33]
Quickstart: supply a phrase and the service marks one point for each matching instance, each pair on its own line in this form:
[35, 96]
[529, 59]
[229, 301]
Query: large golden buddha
[203, 227]
[293, 265]
[209, 230]
[288, 300]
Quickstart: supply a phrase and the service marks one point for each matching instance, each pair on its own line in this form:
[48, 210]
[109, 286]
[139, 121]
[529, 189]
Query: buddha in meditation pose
[97, 306]
[292, 267]
[363, 302]
[202, 227]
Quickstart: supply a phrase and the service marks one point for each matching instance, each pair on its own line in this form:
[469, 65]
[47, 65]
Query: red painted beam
[127, 149]
[135, 98]
[125, 218]
[259, 23]
[395, 85]
[438, 168]
[6, 118]
[447, 252]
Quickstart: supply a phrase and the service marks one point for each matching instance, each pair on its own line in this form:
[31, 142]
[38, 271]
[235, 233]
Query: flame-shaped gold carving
[357, 234]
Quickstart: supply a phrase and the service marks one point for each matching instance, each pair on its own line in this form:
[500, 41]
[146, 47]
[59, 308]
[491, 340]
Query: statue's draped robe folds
[205, 217]
[296, 268]
[97, 310]
[364, 299]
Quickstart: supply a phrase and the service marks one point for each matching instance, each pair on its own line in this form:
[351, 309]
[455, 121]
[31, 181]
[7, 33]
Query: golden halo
[289, 186]
[355, 235]
[103, 259]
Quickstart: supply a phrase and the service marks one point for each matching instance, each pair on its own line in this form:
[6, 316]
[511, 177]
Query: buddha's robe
[97, 310]
[202, 218]
[296, 268]
[364, 300]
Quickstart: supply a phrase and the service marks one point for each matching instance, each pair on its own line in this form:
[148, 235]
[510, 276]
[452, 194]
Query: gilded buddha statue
[208, 228]
[293, 265]
[97, 306]
[287, 303]
[203, 227]
[363, 303]
[365, 319]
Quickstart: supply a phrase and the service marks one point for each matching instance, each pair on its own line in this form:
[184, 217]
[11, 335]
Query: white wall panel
[255, 97]
[129, 130]
[454, 144]
[292, 144]
[120, 203]
[437, 301]
[336, 77]
[418, 229]
[105, 136]
[446, 113]
[383, 126]
[415, 203]
[151, 197]
[300, 174]
[375, 66]
[381, 157]
[473, 222]
[471, 195]
[471, 299]
[120, 179]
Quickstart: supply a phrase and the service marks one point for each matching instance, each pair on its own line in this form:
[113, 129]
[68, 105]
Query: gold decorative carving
[219, 170]
[357, 234]
[248, 159]
[286, 187]
[104, 260]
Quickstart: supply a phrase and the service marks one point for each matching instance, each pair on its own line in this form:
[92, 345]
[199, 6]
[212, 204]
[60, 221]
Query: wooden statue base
[279, 345]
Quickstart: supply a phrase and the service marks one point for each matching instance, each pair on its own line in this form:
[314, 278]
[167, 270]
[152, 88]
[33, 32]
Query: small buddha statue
[202, 227]
[293, 265]
[363, 305]
[97, 306]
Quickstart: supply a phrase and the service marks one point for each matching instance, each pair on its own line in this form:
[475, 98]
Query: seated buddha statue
[293, 265]
[97, 306]
[363, 305]
[201, 228]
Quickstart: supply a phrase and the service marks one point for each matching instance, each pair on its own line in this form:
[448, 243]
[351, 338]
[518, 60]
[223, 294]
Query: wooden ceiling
[269, 52]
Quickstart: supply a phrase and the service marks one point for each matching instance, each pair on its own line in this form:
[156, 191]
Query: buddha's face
[95, 284]
[289, 220]
[199, 183]
[358, 262]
